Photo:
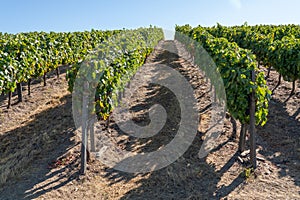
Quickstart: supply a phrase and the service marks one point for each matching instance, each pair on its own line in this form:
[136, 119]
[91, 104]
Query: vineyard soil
[40, 148]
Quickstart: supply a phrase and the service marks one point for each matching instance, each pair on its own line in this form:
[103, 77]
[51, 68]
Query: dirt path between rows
[40, 148]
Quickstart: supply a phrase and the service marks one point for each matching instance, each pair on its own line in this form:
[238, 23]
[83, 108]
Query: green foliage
[30, 55]
[109, 68]
[234, 65]
[286, 52]
[247, 173]
[276, 46]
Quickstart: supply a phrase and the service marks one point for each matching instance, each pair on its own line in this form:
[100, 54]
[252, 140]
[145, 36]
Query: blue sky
[77, 15]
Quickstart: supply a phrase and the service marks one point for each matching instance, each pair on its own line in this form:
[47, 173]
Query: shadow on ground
[187, 178]
[27, 153]
[281, 140]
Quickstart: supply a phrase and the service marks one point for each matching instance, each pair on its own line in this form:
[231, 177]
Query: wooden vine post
[29, 82]
[57, 72]
[84, 127]
[19, 90]
[92, 134]
[9, 99]
[252, 125]
[293, 88]
[242, 140]
[44, 78]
